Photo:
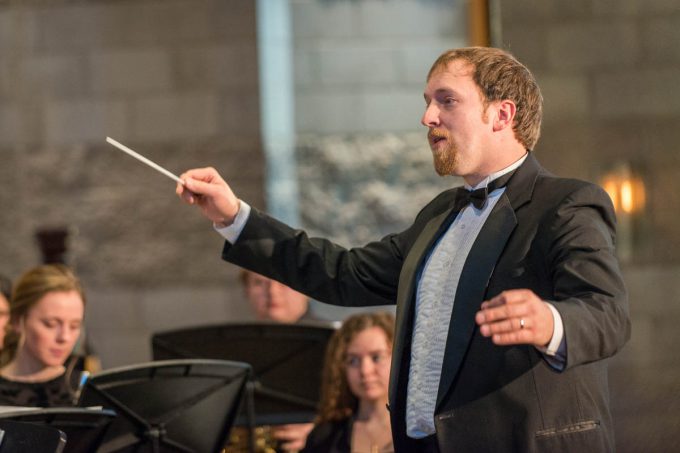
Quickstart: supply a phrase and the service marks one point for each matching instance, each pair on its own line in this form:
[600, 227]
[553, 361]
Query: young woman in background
[46, 314]
[353, 413]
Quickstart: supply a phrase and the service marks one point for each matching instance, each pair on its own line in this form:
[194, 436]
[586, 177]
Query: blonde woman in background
[353, 413]
[46, 314]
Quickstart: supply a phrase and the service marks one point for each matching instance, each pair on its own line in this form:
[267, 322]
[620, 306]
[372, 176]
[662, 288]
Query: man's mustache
[437, 133]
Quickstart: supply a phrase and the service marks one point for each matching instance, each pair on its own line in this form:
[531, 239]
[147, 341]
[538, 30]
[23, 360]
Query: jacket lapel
[478, 270]
[472, 287]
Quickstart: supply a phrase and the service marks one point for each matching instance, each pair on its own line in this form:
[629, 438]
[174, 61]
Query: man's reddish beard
[444, 157]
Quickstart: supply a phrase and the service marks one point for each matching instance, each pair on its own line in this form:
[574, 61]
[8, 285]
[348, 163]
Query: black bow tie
[478, 197]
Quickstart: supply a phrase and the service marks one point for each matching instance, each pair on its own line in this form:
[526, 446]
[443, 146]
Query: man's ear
[505, 115]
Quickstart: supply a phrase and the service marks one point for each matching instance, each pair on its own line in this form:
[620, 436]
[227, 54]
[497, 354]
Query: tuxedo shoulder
[560, 187]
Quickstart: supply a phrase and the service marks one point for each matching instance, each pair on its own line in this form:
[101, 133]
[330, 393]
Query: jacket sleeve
[323, 270]
[589, 291]
[327, 272]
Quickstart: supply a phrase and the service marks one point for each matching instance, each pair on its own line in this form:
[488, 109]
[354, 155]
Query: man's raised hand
[205, 188]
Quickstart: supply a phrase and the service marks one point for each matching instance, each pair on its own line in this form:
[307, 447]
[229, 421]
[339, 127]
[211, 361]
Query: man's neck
[496, 170]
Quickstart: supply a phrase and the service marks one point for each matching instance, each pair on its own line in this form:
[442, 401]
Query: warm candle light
[610, 187]
[626, 190]
[626, 196]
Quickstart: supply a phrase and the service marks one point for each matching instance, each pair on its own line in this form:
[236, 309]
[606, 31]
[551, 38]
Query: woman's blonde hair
[337, 401]
[28, 290]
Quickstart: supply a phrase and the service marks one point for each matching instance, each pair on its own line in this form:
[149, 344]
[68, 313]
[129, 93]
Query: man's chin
[444, 167]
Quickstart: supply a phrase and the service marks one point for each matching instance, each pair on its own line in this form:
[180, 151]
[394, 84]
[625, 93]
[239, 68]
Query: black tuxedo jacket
[552, 235]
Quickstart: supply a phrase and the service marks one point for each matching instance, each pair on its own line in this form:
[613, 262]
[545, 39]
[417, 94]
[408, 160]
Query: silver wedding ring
[521, 323]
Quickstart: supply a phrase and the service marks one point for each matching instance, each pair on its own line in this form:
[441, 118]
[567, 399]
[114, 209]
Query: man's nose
[431, 116]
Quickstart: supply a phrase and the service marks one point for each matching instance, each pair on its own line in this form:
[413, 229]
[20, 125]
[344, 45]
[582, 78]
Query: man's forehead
[457, 67]
[455, 77]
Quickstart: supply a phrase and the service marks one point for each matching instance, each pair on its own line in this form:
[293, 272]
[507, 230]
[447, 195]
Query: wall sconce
[627, 191]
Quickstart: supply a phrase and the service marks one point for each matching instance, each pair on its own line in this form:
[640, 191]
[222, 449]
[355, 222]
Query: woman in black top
[46, 313]
[352, 412]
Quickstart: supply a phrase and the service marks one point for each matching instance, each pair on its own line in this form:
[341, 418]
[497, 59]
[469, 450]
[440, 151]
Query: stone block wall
[177, 81]
[360, 67]
[360, 70]
[359, 187]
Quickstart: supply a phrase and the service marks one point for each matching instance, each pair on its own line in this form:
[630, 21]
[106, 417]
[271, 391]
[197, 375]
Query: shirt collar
[485, 182]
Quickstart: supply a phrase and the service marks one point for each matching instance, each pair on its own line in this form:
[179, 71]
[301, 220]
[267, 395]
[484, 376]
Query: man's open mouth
[435, 137]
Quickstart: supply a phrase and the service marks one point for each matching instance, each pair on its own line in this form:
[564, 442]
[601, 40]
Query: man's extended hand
[516, 316]
[206, 188]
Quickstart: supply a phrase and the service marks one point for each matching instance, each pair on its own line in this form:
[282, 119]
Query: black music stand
[21, 437]
[286, 358]
[84, 428]
[173, 405]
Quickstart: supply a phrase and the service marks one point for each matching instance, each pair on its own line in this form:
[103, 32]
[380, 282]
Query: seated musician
[46, 314]
[276, 302]
[353, 413]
